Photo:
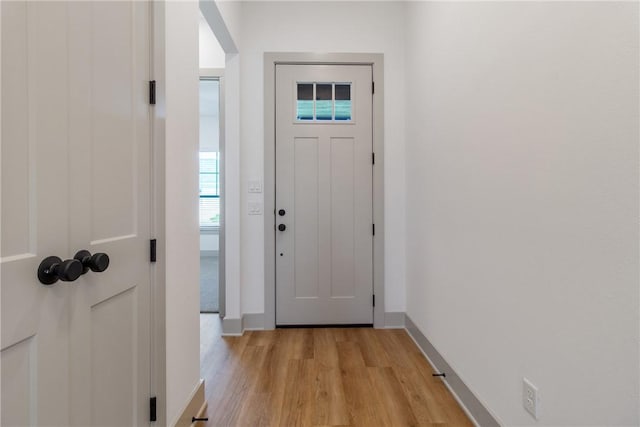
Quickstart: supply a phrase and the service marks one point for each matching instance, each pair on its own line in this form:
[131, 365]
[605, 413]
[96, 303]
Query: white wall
[369, 27]
[209, 242]
[0, 185]
[211, 53]
[231, 12]
[224, 18]
[522, 202]
[232, 215]
[209, 133]
[182, 228]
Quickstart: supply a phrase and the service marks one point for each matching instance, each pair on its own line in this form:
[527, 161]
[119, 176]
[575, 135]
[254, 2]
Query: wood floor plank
[392, 397]
[256, 411]
[261, 338]
[302, 343]
[299, 397]
[220, 365]
[331, 404]
[440, 400]
[362, 402]
[372, 350]
[320, 377]
[325, 348]
[278, 368]
[349, 355]
[394, 348]
[230, 406]
[340, 334]
[424, 405]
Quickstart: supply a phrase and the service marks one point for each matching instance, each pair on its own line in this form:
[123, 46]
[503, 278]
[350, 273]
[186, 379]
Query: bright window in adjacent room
[209, 190]
[323, 102]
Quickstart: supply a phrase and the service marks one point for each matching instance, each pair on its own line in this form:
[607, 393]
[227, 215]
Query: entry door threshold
[347, 325]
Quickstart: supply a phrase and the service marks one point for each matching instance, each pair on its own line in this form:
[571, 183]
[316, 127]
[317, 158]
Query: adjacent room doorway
[210, 199]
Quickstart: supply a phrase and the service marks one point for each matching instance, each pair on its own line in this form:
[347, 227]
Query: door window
[323, 102]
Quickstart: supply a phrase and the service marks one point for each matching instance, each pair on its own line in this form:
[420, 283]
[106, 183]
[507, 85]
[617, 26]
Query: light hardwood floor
[321, 377]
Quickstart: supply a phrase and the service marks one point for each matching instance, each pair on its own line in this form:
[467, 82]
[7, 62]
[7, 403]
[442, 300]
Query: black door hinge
[152, 92]
[374, 300]
[373, 87]
[373, 158]
[152, 250]
[373, 229]
[152, 410]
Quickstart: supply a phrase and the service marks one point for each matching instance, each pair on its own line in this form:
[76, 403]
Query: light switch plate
[254, 208]
[255, 186]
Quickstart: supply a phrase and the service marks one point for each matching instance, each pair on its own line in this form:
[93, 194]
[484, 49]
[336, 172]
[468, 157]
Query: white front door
[324, 217]
[75, 176]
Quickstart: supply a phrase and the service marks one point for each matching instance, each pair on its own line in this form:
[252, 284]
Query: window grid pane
[209, 211]
[343, 102]
[209, 189]
[305, 101]
[323, 102]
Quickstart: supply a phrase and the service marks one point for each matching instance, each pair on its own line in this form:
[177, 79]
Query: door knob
[52, 269]
[97, 262]
[282, 227]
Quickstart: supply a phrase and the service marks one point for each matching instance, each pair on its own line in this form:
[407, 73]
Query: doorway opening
[210, 198]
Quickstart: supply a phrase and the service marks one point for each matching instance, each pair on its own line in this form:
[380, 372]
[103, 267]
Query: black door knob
[52, 269]
[281, 212]
[282, 227]
[97, 262]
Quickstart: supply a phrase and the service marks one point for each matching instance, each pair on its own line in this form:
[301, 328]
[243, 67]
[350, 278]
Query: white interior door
[75, 175]
[324, 239]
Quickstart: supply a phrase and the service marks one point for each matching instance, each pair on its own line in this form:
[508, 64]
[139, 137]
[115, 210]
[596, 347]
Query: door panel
[75, 175]
[35, 219]
[19, 360]
[324, 183]
[113, 330]
[305, 222]
[18, 166]
[109, 334]
[342, 219]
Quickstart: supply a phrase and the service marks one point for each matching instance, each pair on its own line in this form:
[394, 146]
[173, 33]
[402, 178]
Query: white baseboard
[255, 322]
[209, 253]
[201, 414]
[394, 320]
[476, 411]
[252, 322]
[232, 327]
[248, 322]
[194, 406]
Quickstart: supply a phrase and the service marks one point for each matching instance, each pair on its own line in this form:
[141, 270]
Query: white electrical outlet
[530, 397]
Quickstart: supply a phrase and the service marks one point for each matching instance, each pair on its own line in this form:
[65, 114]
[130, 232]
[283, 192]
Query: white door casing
[324, 258]
[75, 175]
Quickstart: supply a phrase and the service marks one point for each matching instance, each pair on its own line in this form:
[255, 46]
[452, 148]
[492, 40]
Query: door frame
[376, 61]
[158, 383]
[218, 74]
